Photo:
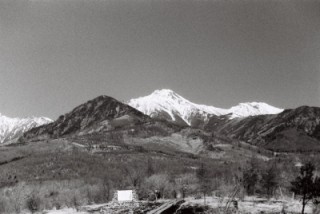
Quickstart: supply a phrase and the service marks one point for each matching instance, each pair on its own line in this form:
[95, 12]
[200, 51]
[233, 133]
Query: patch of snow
[65, 211]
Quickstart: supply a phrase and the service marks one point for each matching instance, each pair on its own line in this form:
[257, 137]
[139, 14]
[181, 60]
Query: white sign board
[125, 195]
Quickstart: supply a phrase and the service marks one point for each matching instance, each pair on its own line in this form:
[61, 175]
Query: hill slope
[292, 130]
[101, 113]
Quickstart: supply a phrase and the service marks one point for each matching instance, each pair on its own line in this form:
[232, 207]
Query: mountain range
[13, 128]
[100, 114]
[167, 114]
[105, 144]
[291, 130]
[167, 104]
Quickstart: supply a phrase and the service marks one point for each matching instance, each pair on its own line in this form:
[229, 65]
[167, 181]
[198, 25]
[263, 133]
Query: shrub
[33, 203]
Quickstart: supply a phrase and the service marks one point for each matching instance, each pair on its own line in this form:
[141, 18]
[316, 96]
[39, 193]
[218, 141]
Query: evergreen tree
[269, 180]
[250, 180]
[251, 176]
[150, 167]
[306, 185]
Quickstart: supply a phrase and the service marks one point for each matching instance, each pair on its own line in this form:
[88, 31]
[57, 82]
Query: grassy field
[71, 172]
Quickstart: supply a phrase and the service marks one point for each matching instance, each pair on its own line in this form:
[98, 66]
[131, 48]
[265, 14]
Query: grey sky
[56, 54]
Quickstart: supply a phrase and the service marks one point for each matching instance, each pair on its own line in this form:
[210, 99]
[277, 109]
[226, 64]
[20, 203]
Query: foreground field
[61, 175]
[214, 205]
[255, 205]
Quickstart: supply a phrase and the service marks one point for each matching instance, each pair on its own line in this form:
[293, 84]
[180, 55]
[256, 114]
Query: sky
[57, 54]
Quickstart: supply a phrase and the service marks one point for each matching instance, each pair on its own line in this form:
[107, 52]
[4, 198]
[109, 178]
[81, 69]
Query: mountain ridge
[100, 113]
[13, 128]
[291, 130]
[170, 105]
[247, 121]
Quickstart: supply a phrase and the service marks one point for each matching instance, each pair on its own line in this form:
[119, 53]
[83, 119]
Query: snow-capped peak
[164, 92]
[167, 102]
[252, 109]
[12, 128]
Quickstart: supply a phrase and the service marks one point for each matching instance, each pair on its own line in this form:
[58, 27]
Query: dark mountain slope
[292, 130]
[101, 113]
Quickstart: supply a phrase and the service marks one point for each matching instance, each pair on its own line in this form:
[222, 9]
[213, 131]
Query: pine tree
[306, 185]
[269, 180]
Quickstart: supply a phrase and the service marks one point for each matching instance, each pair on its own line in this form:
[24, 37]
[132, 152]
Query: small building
[125, 195]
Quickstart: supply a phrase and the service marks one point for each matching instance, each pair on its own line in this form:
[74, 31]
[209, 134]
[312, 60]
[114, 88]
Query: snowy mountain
[291, 130]
[13, 128]
[253, 109]
[166, 104]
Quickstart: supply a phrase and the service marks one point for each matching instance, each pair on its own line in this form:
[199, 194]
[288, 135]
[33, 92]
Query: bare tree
[158, 183]
[204, 181]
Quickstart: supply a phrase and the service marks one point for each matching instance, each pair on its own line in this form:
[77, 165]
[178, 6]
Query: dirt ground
[249, 205]
[254, 205]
